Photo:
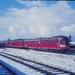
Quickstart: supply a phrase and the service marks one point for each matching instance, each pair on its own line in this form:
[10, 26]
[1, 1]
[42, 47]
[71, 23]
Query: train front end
[64, 44]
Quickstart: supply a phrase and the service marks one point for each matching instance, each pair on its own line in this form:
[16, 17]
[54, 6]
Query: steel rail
[37, 68]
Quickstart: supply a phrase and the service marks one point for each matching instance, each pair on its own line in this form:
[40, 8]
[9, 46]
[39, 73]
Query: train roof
[59, 36]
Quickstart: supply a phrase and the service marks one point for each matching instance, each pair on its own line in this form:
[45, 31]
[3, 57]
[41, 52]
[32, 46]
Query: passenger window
[47, 41]
[29, 42]
[34, 42]
[26, 42]
[43, 41]
[54, 41]
[50, 41]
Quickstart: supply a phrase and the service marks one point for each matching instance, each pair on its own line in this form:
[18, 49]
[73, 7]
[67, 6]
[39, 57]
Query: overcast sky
[33, 19]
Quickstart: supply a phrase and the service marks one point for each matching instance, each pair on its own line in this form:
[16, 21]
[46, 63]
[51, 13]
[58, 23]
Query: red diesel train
[56, 43]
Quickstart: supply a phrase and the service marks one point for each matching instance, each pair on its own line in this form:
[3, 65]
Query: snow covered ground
[61, 61]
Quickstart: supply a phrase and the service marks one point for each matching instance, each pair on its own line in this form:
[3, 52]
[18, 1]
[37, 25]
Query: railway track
[47, 70]
[5, 70]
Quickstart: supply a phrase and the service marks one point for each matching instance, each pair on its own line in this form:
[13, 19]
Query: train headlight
[62, 45]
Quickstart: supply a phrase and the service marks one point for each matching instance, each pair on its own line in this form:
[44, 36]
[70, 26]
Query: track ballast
[48, 70]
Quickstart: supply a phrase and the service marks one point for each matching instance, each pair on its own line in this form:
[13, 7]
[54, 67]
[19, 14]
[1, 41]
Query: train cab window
[50, 41]
[62, 41]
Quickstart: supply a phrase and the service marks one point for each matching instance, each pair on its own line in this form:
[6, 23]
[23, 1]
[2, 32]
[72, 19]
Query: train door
[39, 44]
[57, 43]
[43, 43]
[21, 43]
[25, 44]
[64, 44]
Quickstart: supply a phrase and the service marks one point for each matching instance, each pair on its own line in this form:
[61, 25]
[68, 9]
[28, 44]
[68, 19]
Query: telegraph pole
[52, 33]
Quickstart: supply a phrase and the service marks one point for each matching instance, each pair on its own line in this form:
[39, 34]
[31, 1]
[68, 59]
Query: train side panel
[49, 43]
[30, 43]
[59, 43]
[16, 43]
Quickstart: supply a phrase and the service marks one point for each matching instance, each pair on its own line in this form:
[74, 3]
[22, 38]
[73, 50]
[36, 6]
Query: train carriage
[3, 44]
[16, 43]
[57, 43]
[30, 43]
